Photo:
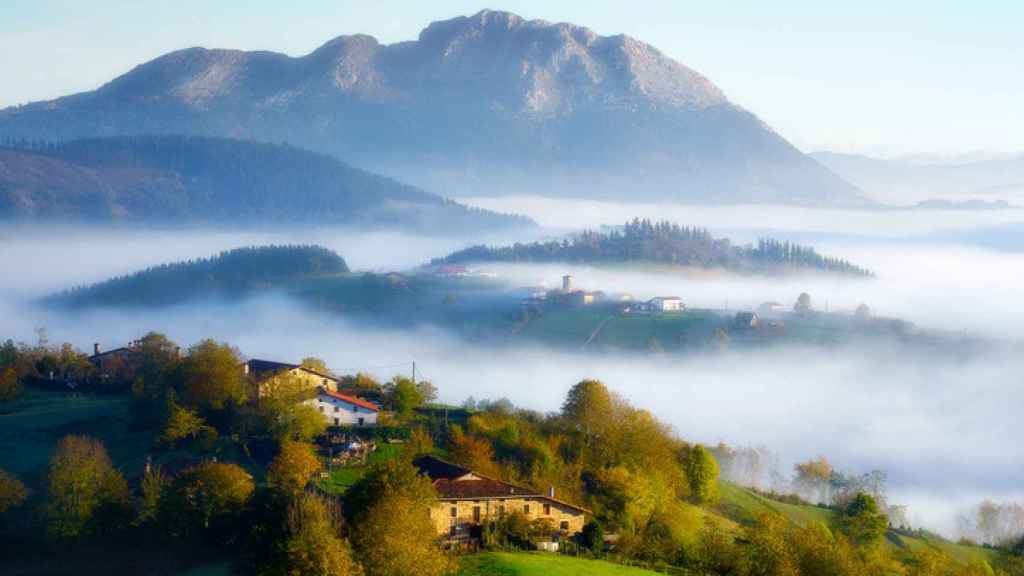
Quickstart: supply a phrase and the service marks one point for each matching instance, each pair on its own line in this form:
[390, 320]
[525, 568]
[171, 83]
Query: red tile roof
[350, 399]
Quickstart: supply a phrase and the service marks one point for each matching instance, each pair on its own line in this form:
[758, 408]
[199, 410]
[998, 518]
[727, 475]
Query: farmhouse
[468, 500]
[261, 372]
[118, 362]
[344, 410]
[667, 304]
[746, 320]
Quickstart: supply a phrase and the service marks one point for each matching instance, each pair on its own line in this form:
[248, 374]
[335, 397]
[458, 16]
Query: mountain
[202, 180]
[910, 181]
[485, 104]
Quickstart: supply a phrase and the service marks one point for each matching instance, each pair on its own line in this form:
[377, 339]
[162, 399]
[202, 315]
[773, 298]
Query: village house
[117, 363]
[746, 320]
[667, 304]
[344, 410]
[467, 500]
[262, 372]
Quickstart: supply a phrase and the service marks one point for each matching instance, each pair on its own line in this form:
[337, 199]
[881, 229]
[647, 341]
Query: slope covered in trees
[665, 243]
[193, 180]
[229, 273]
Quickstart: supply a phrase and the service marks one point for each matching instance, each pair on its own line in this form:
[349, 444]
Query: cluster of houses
[467, 500]
[569, 295]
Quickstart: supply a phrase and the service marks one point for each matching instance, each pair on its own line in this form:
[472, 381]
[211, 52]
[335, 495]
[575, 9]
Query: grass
[541, 564]
[31, 427]
[342, 478]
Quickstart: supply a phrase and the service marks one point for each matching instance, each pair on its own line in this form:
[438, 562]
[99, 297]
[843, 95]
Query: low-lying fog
[943, 429]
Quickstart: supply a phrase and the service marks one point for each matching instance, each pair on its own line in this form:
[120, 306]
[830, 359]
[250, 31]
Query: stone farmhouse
[338, 409]
[467, 500]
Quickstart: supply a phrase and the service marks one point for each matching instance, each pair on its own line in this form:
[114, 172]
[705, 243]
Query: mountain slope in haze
[179, 179]
[906, 181]
[485, 104]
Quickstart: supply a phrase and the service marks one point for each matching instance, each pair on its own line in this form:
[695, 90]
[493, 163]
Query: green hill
[541, 564]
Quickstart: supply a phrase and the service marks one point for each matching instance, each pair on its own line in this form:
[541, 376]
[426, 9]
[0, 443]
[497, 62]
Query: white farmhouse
[667, 304]
[344, 410]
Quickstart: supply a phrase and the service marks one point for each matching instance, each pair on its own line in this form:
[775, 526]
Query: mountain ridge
[485, 104]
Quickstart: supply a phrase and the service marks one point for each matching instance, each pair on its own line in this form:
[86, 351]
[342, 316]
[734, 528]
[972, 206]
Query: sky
[934, 78]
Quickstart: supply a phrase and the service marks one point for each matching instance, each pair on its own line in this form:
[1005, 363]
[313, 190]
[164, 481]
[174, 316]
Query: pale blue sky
[879, 77]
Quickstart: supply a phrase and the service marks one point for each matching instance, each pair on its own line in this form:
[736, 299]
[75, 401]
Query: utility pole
[413, 371]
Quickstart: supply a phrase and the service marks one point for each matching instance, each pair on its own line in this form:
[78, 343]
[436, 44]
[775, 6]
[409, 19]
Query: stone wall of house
[566, 519]
[310, 379]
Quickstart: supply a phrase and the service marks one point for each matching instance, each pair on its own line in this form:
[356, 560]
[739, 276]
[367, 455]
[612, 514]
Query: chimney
[551, 491]
[245, 368]
[567, 283]
[95, 348]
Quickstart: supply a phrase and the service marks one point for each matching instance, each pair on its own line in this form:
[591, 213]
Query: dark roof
[446, 478]
[263, 369]
[350, 399]
[115, 351]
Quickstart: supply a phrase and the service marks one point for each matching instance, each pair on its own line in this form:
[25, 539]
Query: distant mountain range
[912, 181]
[200, 180]
[476, 105]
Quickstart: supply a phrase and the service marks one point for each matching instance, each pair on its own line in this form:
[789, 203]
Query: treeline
[661, 242]
[227, 274]
[660, 495]
[196, 179]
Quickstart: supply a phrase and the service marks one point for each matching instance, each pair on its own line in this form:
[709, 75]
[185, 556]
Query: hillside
[485, 104]
[662, 243]
[228, 274]
[905, 181]
[197, 180]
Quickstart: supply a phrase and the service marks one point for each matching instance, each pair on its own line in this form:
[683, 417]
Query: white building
[667, 304]
[343, 410]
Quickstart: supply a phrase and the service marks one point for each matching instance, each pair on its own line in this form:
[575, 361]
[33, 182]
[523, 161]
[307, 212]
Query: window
[335, 408]
[455, 511]
[476, 514]
[321, 408]
[361, 421]
[526, 509]
[547, 509]
[325, 382]
[355, 408]
[564, 526]
[336, 423]
[501, 510]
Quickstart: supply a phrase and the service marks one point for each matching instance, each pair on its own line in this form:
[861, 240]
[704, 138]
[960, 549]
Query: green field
[541, 564]
[31, 427]
[343, 477]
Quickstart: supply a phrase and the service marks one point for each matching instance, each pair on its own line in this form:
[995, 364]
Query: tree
[154, 484]
[863, 312]
[12, 491]
[292, 468]
[803, 305]
[395, 476]
[863, 522]
[316, 364]
[420, 443]
[285, 413]
[702, 475]
[397, 538]
[212, 377]
[427, 391]
[314, 546]
[592, 537]
[205, 498]
[589, 407]
[813, 477]
[769, 550]
[403, 395]
[360, 381]
[472, 452]
[182, 424]
[10, 389]
[86, 492]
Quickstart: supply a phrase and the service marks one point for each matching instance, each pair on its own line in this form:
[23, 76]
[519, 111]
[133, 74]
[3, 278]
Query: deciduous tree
[314, 546]
[292, 468]
[396, 538]
[702, 474]
[212, 377]
[86, 493]
[206, 497]
[12, 491]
